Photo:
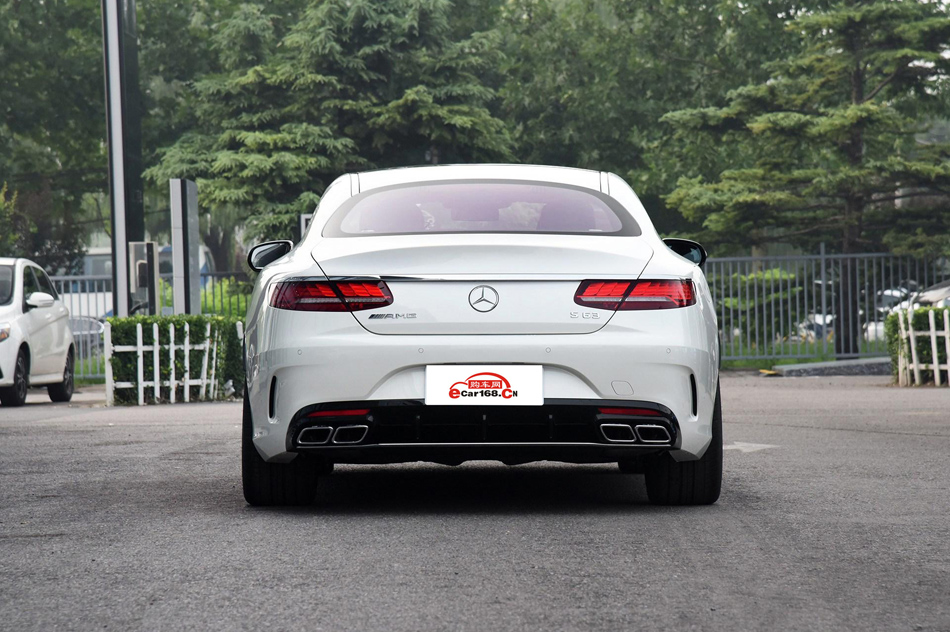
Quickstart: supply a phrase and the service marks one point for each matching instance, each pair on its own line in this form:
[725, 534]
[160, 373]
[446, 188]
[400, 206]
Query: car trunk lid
[483, 284]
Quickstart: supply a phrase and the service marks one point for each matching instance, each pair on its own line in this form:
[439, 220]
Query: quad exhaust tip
[618, 433]
[316, 435]
[644, 433]
[350, 434]
[649, 433]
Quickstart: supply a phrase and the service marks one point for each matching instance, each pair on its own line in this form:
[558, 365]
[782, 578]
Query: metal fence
[89, 300]
[821, 306]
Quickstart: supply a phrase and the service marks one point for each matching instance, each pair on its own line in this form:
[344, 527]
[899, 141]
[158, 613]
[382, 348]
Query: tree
[829, 138]
[52, 120]
[14, 224]
[346, 85]
[589, 80]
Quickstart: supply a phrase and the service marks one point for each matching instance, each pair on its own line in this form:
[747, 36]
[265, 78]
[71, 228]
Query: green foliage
[921, 322]
[588, 82]
[51, 121]
[826, 144]
[230, 363]
[751, 301]
[10, 237]
[226, 297]
[344, 85]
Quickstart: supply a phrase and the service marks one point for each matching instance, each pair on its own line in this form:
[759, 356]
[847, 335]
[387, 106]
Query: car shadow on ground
[478, 489]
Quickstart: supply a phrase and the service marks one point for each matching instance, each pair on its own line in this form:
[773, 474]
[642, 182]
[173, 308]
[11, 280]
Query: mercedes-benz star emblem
[483, 298]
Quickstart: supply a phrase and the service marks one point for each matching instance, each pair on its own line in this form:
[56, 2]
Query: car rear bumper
[565, 430]
[661, 359]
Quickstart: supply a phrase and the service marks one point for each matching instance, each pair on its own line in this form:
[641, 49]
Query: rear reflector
[636, 295]
[359, 412]
[331, 296]
[637, 412]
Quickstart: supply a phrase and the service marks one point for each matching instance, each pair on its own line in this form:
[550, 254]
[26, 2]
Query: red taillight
[663, 294]
[636, 412]
[356, 412]
[331, 296]
[636, 295]
[601, 294]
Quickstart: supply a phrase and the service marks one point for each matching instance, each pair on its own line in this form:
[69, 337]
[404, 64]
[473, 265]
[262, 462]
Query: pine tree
[832, 136]
[346, 85]
[832, 132]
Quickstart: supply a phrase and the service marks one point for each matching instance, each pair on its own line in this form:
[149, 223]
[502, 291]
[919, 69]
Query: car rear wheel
[63, 391]
[16, 395]
[671, 482]
[268, 484]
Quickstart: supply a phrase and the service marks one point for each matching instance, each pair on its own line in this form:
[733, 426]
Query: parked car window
[29, 284]
[481, 207]
[45, 284]
[7, 274]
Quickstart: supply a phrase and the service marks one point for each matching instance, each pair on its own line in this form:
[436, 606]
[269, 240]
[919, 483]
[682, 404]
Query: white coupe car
[505, 312]
[36, 344]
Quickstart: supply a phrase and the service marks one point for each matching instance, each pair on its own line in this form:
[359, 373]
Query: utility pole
[124, 125]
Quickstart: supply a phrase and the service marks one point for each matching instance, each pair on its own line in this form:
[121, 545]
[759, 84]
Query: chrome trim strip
[503, 444]
[479, 278]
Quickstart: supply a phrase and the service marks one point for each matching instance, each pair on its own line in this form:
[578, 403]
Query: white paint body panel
[43, 331]
[319, 357]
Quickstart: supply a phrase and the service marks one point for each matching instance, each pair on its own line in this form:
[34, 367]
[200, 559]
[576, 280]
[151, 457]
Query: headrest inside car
[475, 213]
[387, 219]
[565, 218]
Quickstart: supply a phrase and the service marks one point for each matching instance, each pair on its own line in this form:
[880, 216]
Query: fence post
[824, 299]
[204, 363]
[171, 363]
[140, 370]
[946, 339]
[913, 344]
[107, 343]
[903, 379]
[155, 363]
[186, 378]
[933, 347]
[214, 365]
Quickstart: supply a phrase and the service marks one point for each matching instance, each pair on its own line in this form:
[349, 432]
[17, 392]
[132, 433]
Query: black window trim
[13, 283]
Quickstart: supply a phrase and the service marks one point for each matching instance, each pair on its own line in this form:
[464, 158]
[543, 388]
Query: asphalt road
[133, 519]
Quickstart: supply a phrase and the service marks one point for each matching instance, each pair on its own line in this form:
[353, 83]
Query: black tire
[670, 482]
[16, 395]
[63, 392]
[269, 484]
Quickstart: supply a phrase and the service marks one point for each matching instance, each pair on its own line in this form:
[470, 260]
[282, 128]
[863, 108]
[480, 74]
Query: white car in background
[36, 344]
[504, 312]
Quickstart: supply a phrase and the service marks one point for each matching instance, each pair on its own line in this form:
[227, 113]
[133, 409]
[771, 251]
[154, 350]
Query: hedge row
[921, 320]
[230, 364]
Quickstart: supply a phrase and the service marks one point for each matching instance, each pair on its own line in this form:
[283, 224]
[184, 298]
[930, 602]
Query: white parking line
[748, 447]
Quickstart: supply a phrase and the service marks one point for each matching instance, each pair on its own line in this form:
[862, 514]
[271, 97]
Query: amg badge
[392, 316]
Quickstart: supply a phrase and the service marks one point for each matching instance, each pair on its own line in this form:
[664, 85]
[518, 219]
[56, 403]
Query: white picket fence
[208, 385]
[908, 370]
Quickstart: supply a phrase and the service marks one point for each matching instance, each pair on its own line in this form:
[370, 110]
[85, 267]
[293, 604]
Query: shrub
[230, 364]
[921, 321]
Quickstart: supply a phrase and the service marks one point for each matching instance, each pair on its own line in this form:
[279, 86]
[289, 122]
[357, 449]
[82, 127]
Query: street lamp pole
[123, 119]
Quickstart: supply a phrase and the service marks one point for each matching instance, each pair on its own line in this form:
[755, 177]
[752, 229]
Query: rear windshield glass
[6, 285]
[480, 207]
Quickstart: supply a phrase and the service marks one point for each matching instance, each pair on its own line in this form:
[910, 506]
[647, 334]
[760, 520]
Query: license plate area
[484, 385]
